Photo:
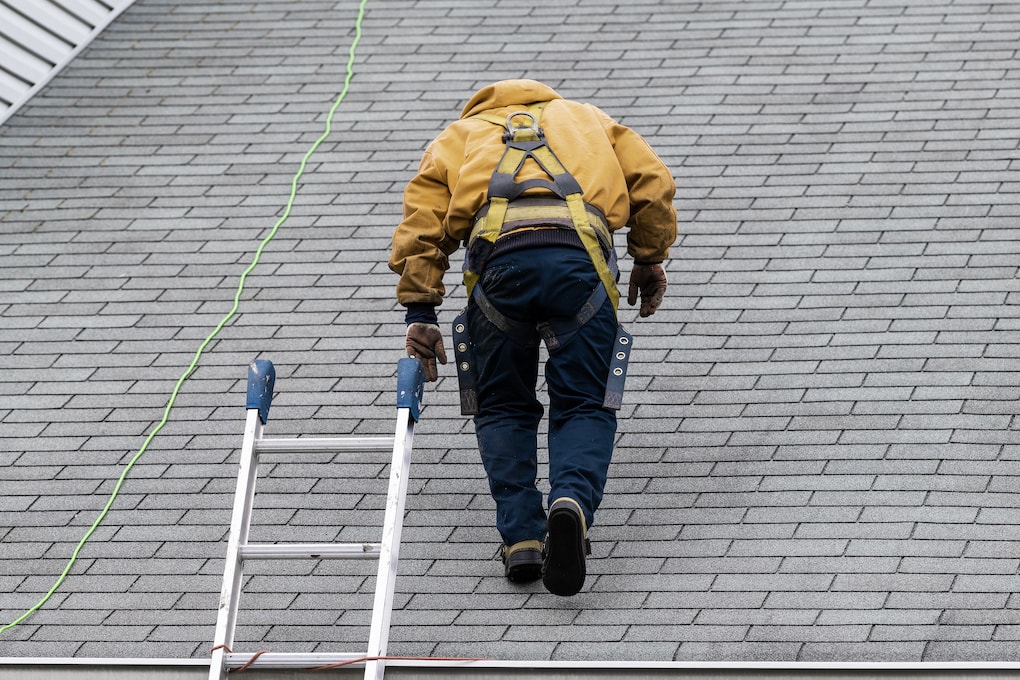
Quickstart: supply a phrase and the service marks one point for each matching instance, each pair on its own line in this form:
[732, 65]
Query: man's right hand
[425, 341]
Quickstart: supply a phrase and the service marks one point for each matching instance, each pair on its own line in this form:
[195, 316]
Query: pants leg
[531, 286]
[507, 428]
[581, 432]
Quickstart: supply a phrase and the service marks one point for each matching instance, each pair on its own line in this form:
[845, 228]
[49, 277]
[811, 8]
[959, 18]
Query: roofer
[534, 184]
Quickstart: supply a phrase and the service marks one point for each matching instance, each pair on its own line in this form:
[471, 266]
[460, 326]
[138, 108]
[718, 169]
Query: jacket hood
[508, 93]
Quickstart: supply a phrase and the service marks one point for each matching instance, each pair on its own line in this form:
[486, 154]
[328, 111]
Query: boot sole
[525, 568]
[564, 570]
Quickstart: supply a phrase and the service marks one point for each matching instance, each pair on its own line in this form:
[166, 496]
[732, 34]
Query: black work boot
[565, 548]
[522, 561]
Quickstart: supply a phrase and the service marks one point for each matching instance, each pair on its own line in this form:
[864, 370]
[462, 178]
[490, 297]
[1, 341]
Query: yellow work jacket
[617, 170]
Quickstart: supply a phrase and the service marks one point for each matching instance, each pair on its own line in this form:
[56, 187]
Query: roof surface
[817, 455]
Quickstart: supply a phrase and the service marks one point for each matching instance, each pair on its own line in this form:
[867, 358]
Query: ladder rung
[287, 660]
[323, 444]
[284, 551]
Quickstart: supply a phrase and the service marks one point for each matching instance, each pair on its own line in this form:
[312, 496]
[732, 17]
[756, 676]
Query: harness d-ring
[512, 129]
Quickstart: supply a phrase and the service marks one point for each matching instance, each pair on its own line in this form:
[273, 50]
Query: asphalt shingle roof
[817, 451]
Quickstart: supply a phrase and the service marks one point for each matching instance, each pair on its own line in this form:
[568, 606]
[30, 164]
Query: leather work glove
[650, 280]
[425, 341]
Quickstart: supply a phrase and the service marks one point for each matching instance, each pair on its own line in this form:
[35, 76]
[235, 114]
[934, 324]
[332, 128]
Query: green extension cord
[213, 334]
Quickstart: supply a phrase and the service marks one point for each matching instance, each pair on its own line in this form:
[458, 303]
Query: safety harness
[508, 212]
[500, 217]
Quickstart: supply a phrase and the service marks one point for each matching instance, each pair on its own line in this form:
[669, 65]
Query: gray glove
[425, 341]
[650, 279]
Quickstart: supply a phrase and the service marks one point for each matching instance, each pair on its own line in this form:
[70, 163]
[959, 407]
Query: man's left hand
[650, 280]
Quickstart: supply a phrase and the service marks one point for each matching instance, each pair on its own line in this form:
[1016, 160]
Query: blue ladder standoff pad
[261, 380]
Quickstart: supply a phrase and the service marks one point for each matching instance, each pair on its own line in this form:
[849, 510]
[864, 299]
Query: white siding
[39, 37]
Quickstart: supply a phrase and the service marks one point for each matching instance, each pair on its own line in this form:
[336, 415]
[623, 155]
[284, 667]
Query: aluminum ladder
[261, 378]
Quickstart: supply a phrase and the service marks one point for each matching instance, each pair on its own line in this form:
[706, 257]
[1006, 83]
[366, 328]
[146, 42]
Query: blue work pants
[535, 285]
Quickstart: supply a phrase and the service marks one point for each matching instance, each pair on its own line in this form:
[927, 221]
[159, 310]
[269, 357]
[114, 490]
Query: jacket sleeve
[421, 247]
[652, 224]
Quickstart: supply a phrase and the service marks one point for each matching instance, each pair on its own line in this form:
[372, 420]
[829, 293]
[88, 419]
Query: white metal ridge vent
[38, 38]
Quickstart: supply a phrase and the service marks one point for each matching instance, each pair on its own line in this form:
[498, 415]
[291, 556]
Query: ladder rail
[382, 608]
[240, 523]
